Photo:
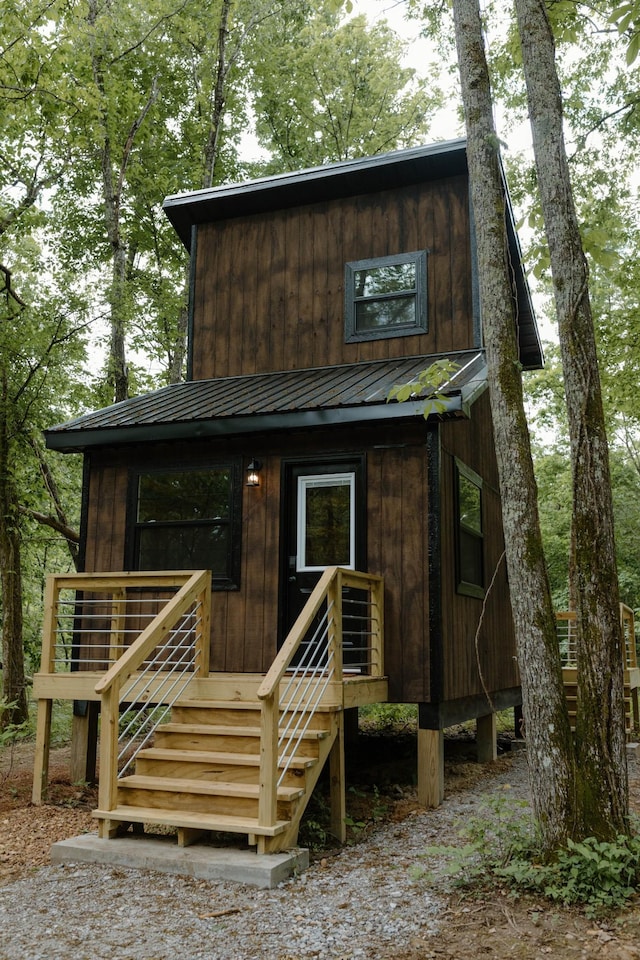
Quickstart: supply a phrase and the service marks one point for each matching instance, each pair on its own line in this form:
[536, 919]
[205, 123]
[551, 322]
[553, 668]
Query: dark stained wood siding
[269, 289]
[244, 633]
[494, 655]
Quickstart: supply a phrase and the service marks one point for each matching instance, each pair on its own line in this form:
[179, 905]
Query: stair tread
[219, 704]
[207, 704]
[206, 787]
[229, 730]
[215, 756]
[224, 823]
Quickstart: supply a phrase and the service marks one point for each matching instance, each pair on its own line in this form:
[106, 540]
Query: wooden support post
[487, 738]
[337, 776]
[84, 740]
[41, 759]
[108, 789]
[269, 720]
[110, 829]
[430, 767]
[189, 835]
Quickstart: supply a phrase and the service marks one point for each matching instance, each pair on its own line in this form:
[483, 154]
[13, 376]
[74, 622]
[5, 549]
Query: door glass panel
[326, 528]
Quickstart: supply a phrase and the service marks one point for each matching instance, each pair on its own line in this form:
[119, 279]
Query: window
[189, 520]
[469, 539]
[386, 297]
[326, 521]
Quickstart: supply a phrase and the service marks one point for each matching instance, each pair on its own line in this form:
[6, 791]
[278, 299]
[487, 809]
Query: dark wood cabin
[312, 294]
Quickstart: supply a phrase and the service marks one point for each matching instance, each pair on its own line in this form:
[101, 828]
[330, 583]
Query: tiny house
[279, 465]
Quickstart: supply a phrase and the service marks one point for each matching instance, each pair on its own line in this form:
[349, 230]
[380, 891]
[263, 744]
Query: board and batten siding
[244, 622]
[269, 289]
[470, 664]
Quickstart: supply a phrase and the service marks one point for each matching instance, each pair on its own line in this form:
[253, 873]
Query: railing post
[109, 722]
[269, 724]
[203, 634]
[47, 665]
[376, 593]
[51, 598]
[334, 624]
[118, 622]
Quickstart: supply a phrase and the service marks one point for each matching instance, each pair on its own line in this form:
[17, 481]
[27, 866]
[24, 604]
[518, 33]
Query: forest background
[108, 106]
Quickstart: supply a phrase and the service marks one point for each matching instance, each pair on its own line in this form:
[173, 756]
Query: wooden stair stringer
[289, 837]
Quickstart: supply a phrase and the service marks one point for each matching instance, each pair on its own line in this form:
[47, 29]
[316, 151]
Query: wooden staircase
[241, 753]
[202, 773]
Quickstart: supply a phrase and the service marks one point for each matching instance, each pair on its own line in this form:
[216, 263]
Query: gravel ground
[363, 902]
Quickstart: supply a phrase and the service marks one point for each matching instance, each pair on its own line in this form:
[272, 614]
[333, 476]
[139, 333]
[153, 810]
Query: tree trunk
[549, 748]
[219, 99]
[13, 679]
[600, 736]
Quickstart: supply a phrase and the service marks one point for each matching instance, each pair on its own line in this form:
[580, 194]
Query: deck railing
[139, 639]
[566, 628]
[566, 625]
[340, 630]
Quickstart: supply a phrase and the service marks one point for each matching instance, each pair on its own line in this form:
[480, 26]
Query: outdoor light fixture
[253, 471]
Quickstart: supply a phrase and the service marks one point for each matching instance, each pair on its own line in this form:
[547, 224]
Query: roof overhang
[332, 181]
[346, 395]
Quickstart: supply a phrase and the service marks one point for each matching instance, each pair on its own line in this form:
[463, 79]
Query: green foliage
[337, 92]
[11, 732]
[502, 844]
[388, 716]
[598, 875]
[428, 385]
[626, 17]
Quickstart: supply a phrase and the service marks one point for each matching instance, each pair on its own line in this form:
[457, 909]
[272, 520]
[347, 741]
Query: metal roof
[231, 406]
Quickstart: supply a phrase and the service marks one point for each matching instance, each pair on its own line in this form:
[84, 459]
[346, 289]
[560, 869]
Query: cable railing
[339, 631]
[92, 619]
[155, 670]
[164, 678]
[134, 641]
[567, 633]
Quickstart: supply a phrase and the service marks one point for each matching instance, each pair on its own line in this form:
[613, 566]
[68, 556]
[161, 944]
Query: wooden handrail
[275, 744]
[288, 649]
[139, 650]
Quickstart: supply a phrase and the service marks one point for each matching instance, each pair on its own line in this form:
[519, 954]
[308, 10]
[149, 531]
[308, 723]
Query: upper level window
[470, 534]
[386, 297]
[187, 520]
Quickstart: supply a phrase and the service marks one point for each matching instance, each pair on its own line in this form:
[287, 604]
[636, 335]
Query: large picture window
[188, 520]
[386, 297]
[469, 532]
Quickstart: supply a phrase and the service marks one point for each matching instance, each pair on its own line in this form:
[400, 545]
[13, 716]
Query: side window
[188, 520]
[386, 297]
[469, 532]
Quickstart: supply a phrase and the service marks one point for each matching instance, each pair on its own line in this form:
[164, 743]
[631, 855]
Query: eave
[346, 394]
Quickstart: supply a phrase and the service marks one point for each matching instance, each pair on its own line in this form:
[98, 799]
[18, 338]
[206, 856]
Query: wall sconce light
[253, 473]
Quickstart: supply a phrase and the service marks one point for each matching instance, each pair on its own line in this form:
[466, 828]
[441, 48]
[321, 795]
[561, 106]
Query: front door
[324, 514]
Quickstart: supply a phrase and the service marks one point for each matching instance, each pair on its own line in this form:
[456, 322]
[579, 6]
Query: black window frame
[419, 296]
[466, 535]
[230, 580]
